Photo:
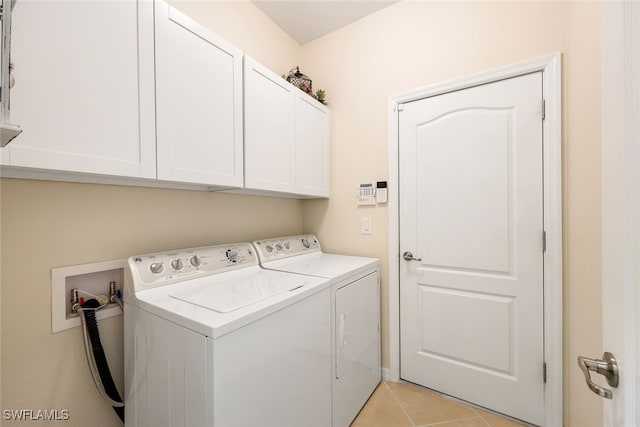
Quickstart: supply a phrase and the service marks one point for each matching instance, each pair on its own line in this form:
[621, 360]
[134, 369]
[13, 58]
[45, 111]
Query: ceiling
[307, 20]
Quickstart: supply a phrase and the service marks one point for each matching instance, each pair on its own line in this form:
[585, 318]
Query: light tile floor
[407, 405]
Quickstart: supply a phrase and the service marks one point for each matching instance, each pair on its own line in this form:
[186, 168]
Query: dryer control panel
[283, 247]
[163, 268]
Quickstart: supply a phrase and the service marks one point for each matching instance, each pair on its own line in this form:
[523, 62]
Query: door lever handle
[408, 256]
[608, 367]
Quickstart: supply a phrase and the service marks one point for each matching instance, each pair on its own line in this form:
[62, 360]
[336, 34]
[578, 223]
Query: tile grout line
[481, 414]
[476, 411]
[477, 415]
[439, 423]
[486, 412]
[399, 404]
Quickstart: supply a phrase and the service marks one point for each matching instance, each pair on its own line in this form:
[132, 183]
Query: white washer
[355, 314]
[212, 339]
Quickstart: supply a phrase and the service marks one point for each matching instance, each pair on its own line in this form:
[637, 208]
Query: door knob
[607, 366]
[408, 256]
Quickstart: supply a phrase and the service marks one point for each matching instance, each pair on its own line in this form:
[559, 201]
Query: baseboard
[386, 374]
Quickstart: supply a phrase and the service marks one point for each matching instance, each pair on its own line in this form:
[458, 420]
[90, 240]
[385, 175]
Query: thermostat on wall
[366, 194]
[381, 191]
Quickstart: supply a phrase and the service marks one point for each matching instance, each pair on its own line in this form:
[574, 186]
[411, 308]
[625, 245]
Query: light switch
[366, 225]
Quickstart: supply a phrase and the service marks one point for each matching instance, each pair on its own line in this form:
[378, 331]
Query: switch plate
[366, 225]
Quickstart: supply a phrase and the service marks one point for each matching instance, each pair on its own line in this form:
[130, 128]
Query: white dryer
[212, 339]
[355, 314]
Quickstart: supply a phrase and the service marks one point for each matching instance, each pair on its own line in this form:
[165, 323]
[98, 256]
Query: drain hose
[100, 360]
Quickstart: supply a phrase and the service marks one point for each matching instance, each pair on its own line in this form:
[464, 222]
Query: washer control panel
[283, 247]
[169, 267]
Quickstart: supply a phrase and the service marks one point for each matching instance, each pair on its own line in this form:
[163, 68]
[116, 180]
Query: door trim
[550, 65]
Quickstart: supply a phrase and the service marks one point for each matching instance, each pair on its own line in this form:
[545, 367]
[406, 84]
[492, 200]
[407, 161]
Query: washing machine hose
[88, 314]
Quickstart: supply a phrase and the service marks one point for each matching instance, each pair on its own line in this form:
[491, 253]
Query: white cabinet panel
[199, 103]
[136, 89]
[312, 147]
[357, 347]
[84, 87]
[269, 139]
[286, 136]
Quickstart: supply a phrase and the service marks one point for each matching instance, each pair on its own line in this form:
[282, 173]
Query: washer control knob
[232, 256]
[156, 267]
[269, 248]
[279, 247]
[177, 264]
[306, 243]
[287, 245]
[195, 261]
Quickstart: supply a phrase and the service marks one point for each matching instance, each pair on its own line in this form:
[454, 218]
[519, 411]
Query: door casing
[550, 65]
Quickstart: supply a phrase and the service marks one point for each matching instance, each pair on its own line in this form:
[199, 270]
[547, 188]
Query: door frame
[550, 65]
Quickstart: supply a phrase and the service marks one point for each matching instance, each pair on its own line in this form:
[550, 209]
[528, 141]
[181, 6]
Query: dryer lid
[319, 264]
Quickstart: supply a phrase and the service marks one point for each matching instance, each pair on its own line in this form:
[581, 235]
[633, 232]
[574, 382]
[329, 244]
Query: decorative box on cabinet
[199, 102]
[84, 93]
[286, 136]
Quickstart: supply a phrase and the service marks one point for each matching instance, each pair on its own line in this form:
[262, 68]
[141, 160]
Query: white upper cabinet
[312, 146]
[198, 103]
[269, 138]
[128, 89]
[286, 136]
[84, 93]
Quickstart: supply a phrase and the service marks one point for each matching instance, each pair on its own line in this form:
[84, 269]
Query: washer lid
[230, 295]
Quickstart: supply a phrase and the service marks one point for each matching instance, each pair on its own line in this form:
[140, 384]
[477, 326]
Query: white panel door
[471, 302]
[269, 130]
[199, 102]
[620, 208]
[84, 93]
[312, 147]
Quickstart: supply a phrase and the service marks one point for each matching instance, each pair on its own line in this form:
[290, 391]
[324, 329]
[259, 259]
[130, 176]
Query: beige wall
[414, 44]
[52, 224]
[247, 28]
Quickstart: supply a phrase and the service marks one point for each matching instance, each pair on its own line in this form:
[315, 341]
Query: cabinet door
[312, 147]
[84, 87]
[269, 139]
[199, 102]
